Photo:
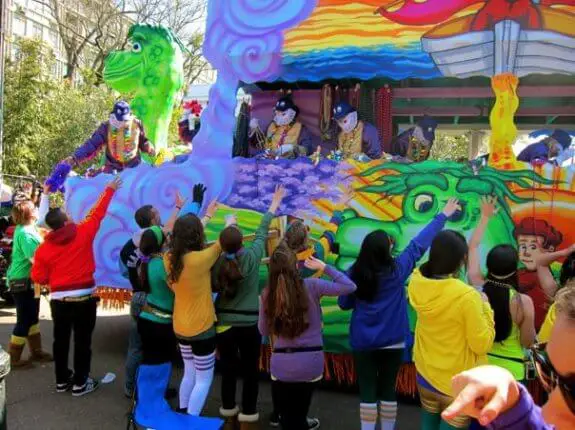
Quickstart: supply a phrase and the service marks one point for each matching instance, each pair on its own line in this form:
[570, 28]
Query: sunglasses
[549, 377]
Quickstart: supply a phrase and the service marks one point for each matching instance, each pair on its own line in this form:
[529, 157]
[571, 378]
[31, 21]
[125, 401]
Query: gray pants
[134, 356]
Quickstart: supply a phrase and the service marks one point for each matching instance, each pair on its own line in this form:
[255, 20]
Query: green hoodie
[243, 309]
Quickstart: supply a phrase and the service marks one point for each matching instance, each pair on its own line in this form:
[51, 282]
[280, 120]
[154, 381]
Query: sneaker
[274, 419]
[63, 388]
[90, 386]
[66, 386]
[313, 423]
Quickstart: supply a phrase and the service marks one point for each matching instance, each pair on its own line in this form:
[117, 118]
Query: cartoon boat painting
[506, 48]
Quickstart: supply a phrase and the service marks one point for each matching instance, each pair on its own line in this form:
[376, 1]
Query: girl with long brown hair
[188, 264]
[239, 341]
[290, 313]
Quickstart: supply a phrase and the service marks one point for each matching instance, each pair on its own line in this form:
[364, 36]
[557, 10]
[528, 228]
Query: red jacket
[65, 261]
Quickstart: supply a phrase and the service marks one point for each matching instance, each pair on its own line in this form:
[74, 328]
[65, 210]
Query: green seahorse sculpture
[150, 72]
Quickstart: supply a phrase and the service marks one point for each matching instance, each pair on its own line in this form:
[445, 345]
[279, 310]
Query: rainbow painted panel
[427, 39]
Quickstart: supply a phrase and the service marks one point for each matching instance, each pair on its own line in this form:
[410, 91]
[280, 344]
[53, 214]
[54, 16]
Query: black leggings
[27, 309]
[158, 341]
[239, 349]
[293, 401]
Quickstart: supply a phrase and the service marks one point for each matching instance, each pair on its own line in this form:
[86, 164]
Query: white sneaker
[89, 387]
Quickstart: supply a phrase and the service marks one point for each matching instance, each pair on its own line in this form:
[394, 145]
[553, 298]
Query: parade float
[505, 63]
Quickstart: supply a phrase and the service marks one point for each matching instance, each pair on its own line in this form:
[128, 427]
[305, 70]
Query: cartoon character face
[530, 248]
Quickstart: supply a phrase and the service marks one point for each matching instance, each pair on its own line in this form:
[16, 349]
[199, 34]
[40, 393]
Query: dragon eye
[136, 47]
[423, 203]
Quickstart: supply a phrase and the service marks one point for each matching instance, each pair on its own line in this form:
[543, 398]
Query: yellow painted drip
[502, 120]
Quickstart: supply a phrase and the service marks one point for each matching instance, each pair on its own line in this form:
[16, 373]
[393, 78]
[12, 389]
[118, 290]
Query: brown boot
[16, 361]
[249, 422]
[230, 417]
[36, 352]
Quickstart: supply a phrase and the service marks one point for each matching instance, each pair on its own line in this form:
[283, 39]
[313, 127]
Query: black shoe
[274, 419]
[66, 386]
[89, 387]
[313, 423]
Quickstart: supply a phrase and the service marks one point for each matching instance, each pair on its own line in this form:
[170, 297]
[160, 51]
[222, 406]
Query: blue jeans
[134, 356]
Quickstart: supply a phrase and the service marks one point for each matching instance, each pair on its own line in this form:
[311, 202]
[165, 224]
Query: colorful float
[505, 63]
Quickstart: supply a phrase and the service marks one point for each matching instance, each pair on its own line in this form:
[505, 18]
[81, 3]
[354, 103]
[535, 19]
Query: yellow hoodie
[547, 327]
[455, 328]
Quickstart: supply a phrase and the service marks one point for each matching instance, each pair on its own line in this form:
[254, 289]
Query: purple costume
[117, 159]
[370, 144]
[306, 366]
[524, 415]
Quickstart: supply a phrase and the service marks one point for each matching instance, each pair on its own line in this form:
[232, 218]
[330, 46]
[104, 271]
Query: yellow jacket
[455, 328]
[545, 331]
[194, 311]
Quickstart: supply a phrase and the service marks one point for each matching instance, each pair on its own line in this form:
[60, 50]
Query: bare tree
[91, 29]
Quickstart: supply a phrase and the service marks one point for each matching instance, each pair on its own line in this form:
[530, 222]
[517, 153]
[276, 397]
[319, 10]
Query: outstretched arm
[92, 222]
[339, 285]
[488, 209]
[92, 146]
[544, 274]
[420, 244]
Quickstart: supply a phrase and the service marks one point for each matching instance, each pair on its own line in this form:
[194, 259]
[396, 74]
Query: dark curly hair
[187, 236]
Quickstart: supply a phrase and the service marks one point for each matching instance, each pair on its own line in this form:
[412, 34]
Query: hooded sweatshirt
[65, 261]
[454, 332]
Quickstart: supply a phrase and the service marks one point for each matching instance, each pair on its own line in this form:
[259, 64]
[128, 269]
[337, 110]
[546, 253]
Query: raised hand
[199, 193]
[180, 201]
[277, 199]
[231, 219]
[451, 207]
[313, 263]
[489, 206]
[115, 184]
[212, 209]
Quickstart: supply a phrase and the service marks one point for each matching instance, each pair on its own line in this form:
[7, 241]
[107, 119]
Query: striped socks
[368, 415]
[204, 366]
[387, 415]
[189, 379]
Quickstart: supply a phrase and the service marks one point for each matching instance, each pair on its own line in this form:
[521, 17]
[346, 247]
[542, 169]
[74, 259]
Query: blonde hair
[565, 300]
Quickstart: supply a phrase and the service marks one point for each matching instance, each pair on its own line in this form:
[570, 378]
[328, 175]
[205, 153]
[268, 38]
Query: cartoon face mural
[425, 188]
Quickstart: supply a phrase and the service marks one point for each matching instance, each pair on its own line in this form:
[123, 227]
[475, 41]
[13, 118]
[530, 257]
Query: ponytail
[229, 276]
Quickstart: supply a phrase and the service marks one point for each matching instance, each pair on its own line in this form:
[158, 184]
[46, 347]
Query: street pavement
[34, 405]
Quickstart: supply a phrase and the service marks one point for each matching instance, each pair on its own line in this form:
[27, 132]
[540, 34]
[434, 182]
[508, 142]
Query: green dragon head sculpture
[425, 188]
[152, 71]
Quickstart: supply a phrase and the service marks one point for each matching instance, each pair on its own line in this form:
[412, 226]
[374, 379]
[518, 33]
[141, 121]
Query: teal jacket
[160, 298]
[243, 309]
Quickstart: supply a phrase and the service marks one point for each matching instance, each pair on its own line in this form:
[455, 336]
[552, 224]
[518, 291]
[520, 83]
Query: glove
[198, 194]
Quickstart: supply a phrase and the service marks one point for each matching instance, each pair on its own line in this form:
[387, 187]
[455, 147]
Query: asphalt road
[34, 405]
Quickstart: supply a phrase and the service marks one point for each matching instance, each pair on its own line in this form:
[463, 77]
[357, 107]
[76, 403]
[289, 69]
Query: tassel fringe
[114, 298]
[340, 368]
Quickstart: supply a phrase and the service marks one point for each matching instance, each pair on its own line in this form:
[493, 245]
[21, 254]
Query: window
[54, 39]
[37, 30]
[19, 25]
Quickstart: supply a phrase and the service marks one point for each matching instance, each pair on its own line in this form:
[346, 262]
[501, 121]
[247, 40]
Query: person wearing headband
[514, 313]
[357, 139]
[237, 280]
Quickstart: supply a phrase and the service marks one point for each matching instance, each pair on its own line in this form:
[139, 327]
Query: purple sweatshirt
[306, 366]
[524, 415]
